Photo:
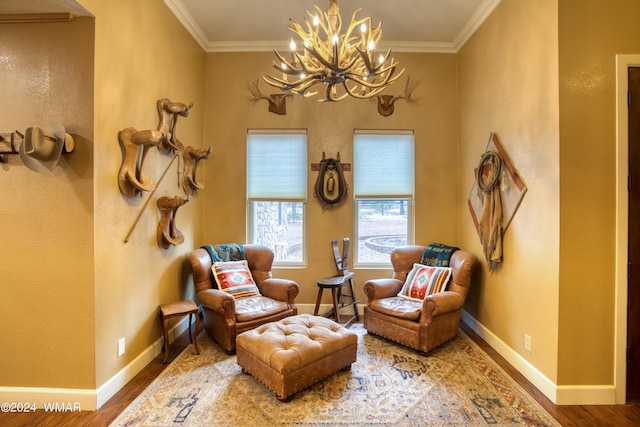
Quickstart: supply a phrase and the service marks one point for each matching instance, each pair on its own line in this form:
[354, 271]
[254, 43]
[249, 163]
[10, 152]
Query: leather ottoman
[293, 353]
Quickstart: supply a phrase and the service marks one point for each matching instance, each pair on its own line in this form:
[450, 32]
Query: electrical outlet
[120, 346]
[527, 342]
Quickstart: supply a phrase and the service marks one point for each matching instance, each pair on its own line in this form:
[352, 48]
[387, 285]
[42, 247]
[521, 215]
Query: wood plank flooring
[567, 416]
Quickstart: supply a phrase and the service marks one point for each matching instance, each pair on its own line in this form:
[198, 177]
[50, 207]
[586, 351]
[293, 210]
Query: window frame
[253, 200]
[410, 199]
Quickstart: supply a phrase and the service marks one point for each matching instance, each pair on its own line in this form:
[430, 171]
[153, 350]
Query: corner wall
[508, 84]
[142, 54]
[46, 248]
[591, 34]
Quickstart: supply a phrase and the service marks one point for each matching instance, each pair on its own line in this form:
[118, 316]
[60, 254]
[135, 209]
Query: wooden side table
[181, 308]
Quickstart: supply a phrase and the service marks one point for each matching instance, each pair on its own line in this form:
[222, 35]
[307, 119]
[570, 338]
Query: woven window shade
[277, 166]
[383, 165]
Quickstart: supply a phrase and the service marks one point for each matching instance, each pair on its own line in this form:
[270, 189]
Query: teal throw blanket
[224, 252]
[437, 255]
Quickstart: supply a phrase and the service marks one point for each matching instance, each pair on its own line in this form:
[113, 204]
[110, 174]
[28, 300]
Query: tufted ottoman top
[296, 341]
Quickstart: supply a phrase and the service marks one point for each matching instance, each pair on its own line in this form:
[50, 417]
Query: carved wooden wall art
[331, 186]
[135, 144]
[168, 234]
[191, 158]
[132, 180]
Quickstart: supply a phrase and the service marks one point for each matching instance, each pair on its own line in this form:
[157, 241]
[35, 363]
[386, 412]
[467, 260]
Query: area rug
[389, 385]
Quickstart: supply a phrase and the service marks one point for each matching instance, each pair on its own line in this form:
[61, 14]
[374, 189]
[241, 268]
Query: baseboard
[70, 400]
[559, 395]
[49, 399]
[107, 390]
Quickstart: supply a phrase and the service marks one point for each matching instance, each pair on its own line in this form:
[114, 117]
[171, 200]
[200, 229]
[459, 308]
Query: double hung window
[383, 191]
[277, 192]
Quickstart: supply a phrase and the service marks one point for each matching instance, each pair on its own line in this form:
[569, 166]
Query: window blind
[383, 164]
[277, 165]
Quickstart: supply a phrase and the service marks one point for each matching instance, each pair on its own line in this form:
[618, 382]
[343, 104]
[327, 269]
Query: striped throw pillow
[424, 280]
[235, 278]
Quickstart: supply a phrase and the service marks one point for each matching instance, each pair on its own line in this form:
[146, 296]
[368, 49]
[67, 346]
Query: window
[383, 191]
[277, 192]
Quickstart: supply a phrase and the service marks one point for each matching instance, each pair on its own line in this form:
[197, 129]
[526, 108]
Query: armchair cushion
[235, 278]
[252, 308]
[398, 307]
[424, 280]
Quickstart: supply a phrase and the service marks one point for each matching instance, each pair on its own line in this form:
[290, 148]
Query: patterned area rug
[389, 385]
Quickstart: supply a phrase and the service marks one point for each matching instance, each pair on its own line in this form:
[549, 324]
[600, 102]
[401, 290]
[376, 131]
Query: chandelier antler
[345, 63]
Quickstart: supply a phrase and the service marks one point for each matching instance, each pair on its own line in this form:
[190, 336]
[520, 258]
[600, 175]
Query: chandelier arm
[287, 69]
[386, 80]
[330, 97]
[354, 93]
[324, 61]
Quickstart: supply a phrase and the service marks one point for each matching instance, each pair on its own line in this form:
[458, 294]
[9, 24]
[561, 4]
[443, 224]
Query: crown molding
[178, 9]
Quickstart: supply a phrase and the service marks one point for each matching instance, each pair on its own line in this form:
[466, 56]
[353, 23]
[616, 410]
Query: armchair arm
[441, 303]
[218, 301]
[280, 289]
[382, 288]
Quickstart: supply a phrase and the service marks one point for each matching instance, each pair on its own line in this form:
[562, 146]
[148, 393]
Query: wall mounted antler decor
[132, 180]
[386, 102]
[331, 186]
[277, 102]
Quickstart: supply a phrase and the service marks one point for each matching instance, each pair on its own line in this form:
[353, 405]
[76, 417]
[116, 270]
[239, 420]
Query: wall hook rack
[9, 143]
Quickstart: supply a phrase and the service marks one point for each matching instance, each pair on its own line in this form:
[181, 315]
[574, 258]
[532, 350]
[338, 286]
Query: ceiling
[261, 25]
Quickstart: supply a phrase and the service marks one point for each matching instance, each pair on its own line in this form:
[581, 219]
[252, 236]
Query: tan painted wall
[539, 72]
[590, 35]
[142, 54]
[46, 246]
[508, 82]
[230, 112]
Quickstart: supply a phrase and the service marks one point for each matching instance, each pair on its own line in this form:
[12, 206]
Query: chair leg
[195, 333]
[334, 295]
[318, 299]
[353, 301]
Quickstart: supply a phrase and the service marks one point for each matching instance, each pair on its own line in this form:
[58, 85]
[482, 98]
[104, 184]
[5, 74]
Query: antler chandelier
[345, 63]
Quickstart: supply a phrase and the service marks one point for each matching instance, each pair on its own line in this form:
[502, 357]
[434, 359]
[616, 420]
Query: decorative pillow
[235, 278]
[424, 280]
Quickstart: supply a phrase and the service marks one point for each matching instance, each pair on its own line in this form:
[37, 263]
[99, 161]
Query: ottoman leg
[285, 399]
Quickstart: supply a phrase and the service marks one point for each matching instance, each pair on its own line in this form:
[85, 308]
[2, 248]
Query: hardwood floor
[567, 416]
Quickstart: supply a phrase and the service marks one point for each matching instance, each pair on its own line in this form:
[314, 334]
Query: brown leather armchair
[224, 316]
[421, 325]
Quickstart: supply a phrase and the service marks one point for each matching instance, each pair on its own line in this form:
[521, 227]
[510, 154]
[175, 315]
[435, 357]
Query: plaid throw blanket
[437, 255]
[223, 253]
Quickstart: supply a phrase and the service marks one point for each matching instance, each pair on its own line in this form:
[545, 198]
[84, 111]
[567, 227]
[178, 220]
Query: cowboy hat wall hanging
[42, 146]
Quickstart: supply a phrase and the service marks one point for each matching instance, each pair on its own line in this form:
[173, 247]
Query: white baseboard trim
[69, 400]
[586, 395]
[115, 383]
[49, 399]
[559, 395]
